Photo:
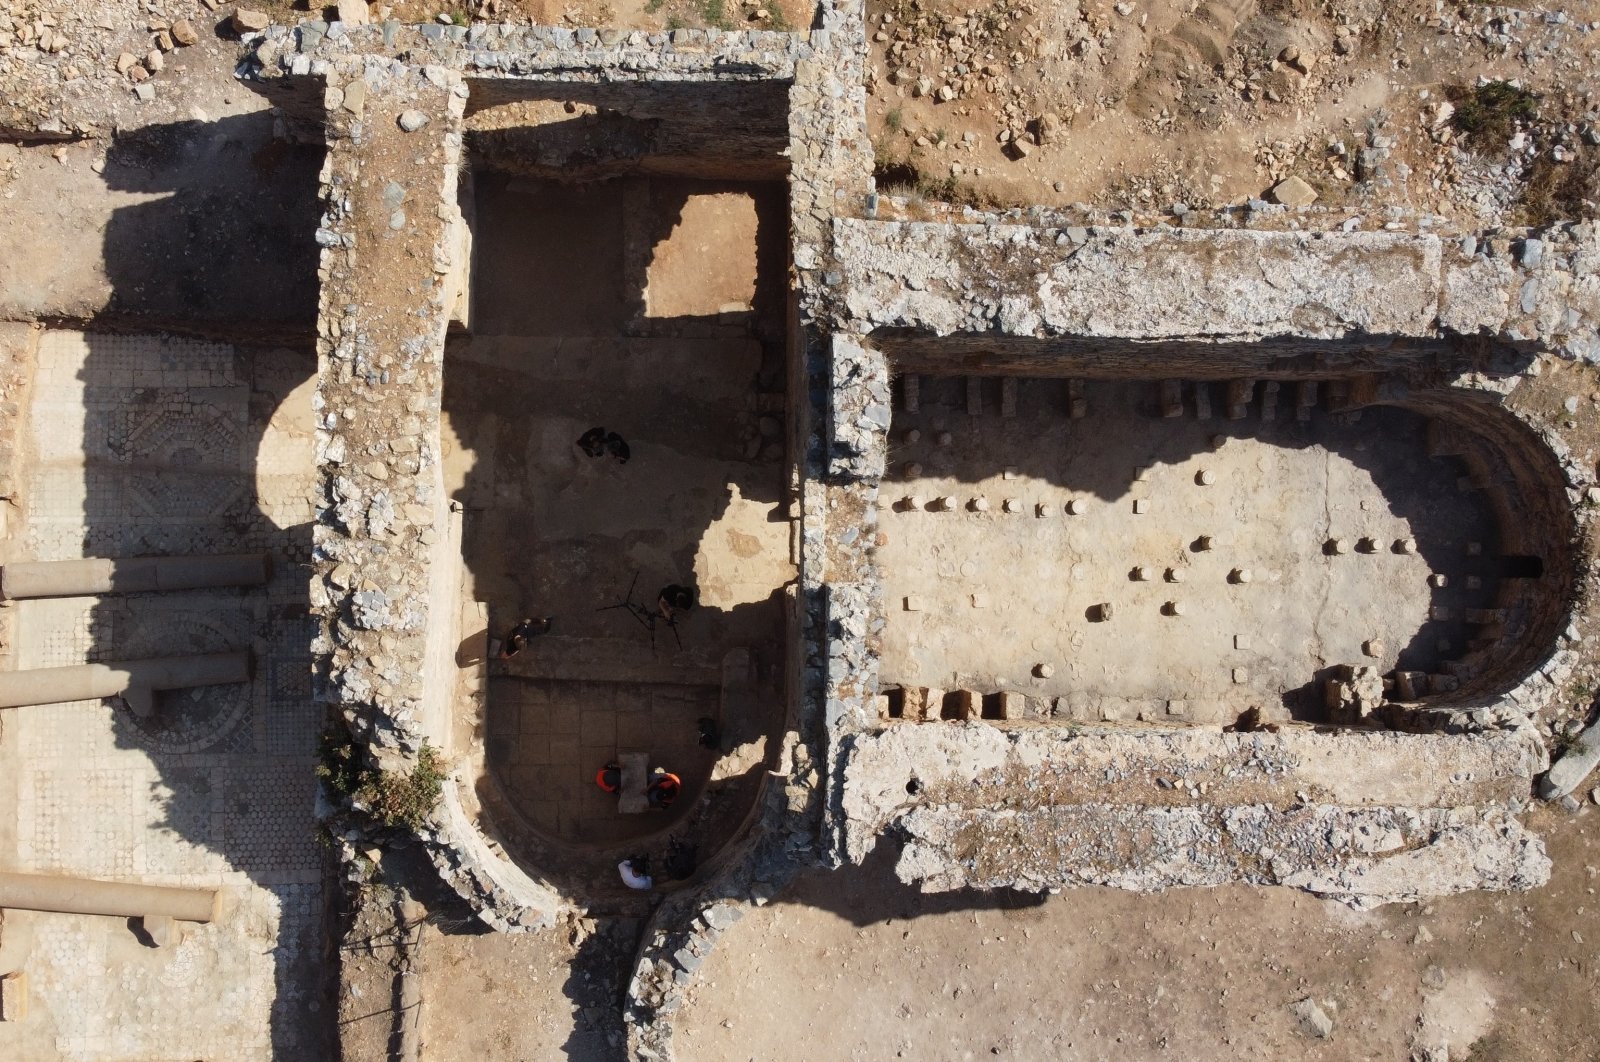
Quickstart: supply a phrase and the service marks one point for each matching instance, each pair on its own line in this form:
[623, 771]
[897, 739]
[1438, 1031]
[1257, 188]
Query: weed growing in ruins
[780, 21]
[654, 6]
[1564, 742]
[715, 13]
[405, 799]
[1490, 112]
[1557, 190]
[394, 798]
[895, 120]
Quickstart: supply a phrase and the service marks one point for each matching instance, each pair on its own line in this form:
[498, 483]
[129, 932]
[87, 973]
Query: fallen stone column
[118, 899]
[128, 575]
[132, 678]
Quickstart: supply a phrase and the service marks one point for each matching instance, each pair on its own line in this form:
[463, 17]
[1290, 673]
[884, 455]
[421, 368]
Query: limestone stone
[247, 20]
[184, 33]
[1293, 191]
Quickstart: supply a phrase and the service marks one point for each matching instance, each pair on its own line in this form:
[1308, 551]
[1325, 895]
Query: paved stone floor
[145, 445]
[547, 739]
[993, 594]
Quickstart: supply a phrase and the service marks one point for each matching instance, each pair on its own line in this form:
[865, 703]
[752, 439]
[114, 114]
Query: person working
[674, 601]
[636, 873]
[518, 639]
[663, 789]
[609, 777]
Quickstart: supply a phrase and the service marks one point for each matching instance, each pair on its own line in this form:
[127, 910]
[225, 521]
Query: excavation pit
[651, 308]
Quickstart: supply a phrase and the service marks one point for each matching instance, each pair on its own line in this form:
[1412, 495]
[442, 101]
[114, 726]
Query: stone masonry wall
[389, 282]
[1094, 296]
[1367, 818]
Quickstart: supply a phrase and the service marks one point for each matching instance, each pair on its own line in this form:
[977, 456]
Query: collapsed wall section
[1367, 818]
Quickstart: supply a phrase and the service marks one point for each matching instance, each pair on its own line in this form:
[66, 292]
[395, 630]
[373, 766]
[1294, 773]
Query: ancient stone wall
[1088, 300]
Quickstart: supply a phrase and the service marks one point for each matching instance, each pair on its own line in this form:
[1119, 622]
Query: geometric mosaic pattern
[148, 445]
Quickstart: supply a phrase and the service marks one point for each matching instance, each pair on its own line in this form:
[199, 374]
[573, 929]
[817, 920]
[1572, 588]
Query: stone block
[974, 396]
[1178, 709]
[1012, 705]
[1269, 400]
[14, 996]
[1410, 685]
[1202, 400]
[1141, 506]
[1008, 396]
[964, 704]
[911, 393]
[1171, 398]
[1241, 641]
[913, 603]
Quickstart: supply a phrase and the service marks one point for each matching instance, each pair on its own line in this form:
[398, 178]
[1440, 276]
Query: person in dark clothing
[593, 442]
[617, 447]
[673, 601]
[680, 861]
[518, 639]
[710, 733]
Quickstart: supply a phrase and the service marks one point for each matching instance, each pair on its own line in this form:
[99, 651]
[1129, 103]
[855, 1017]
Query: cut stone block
[1171, 398]
[911, 393]
[1141, 505]
[974, 396]
[913, 603]
[1008, 396]
[1012, 705]
[1571, 769]
[14, 996]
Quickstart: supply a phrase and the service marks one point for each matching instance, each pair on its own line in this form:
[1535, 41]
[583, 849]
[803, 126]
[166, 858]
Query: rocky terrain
[1149, 106]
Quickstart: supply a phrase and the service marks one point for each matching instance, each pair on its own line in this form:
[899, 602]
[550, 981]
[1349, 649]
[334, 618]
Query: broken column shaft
[118, 899]
[88, 682]
[128, 575]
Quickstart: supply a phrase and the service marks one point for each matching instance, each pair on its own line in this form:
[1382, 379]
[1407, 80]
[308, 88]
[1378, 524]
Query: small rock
[184, 33]
[246, 21]
[138, 74]
[1571, 404]
[155, 61]
[1314, 1021]
[1043, 670]
[1293, 191]
[353, 12]
[125, 62]
[413, 120]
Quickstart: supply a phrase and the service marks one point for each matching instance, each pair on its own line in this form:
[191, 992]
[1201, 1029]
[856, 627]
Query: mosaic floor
[144, 445]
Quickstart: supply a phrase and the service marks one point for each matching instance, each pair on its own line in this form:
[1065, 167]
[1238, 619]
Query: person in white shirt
[636, 873]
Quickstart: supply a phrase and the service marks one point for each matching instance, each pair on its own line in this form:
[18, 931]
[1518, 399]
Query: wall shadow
[564, 338]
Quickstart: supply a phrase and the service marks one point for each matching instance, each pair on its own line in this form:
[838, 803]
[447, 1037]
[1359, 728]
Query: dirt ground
[851, 966]
[997, 599]
[1142, 105]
